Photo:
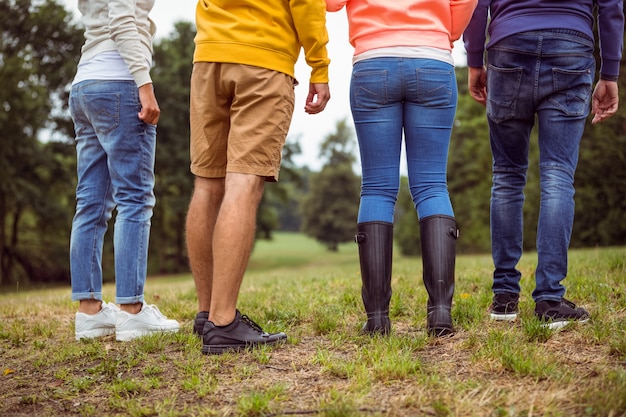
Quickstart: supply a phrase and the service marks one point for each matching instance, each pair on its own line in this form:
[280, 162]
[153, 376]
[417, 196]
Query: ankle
[131, 308]
[90, 306]
[222, 320]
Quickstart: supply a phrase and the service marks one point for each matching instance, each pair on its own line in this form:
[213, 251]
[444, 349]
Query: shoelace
[154, 309]
[111, 306]
[252, 324]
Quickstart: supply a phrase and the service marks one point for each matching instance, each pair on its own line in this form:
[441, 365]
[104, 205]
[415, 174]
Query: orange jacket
[386, 23]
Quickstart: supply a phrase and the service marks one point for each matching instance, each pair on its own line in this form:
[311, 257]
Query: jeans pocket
[104, 110]
[434, 87]
[369, 89]
[503, 85]
[572, 91]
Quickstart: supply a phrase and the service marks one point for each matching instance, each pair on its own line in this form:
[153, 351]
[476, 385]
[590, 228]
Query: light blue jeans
[115, 166]
[547, 74]
[395, 97]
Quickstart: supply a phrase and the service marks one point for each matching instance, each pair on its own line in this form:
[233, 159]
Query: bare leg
[203, 210]
[233, 238]
[94, 306]
[131, 308]
[89, 306]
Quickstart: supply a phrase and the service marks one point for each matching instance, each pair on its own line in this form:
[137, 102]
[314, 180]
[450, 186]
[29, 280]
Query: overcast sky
[311, 128]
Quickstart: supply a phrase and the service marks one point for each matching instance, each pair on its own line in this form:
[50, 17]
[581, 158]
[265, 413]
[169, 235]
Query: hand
[477, 84]
[150, 110]
[319, 94]
[604, 101]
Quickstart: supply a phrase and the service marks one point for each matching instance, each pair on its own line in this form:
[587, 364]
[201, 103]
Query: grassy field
[327, 368]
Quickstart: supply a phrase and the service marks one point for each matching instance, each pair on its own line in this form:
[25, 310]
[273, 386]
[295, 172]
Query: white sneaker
[148, 320]
[100, 324]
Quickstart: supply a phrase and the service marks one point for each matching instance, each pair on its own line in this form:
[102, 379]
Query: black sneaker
[198, 324]
[241, 334]
[504, 306]
[558, 314]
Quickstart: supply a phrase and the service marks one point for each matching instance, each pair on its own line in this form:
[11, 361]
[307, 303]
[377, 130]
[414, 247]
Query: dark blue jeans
[396, 98]
[544, 77]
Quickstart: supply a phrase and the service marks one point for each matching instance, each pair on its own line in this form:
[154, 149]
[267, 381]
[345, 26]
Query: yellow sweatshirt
[263, 33]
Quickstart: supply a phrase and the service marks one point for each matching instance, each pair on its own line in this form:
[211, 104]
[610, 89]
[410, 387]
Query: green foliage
[406, 224]
[469, 172]
[329, 210]
[338, 148]
[174, 183]
[600, 192]
[39, 50]
[280, 200]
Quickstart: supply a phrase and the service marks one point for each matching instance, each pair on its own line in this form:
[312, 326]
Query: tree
[279, 206]
[39, 51]
[469, 171]
[173, 181]
[406, 224]
[600, 214]
[329, 210]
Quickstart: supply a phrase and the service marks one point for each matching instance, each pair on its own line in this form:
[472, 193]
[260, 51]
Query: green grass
[327, 368]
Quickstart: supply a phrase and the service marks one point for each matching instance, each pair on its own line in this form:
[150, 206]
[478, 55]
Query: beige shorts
[239, 119]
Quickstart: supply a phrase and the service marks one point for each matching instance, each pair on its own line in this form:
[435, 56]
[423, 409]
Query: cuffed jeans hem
[129, 300]
[87, 296]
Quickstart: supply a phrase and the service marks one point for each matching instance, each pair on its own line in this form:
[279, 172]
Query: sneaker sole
[128, 335]
[92, 334]
[219, 349]
[503, 317]
[558, 325]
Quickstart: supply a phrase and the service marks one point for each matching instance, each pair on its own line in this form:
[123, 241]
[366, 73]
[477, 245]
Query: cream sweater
[123, 26]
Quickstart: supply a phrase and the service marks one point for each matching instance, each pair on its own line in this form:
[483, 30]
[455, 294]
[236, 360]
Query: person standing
[242, 101]
[403, 85]
[115, 112]
[540, 70]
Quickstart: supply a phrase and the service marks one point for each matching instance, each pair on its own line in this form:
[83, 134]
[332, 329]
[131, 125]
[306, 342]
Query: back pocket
[434, 87]
[503, 85]
[104, 111]
[369, 89]
[572, 91]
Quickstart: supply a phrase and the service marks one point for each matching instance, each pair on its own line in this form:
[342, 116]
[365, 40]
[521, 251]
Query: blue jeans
[548, 74]
[390, 97]
[115, 166]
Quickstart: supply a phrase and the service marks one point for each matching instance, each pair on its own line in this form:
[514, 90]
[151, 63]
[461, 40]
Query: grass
[326, 367]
